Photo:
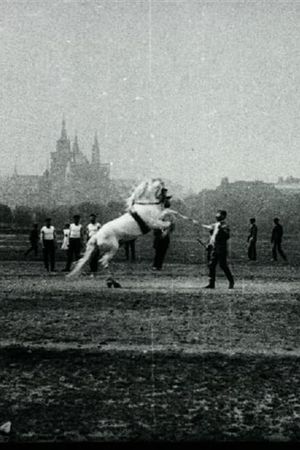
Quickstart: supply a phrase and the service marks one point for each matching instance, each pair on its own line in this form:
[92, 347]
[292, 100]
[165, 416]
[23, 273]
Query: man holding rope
[218, 249]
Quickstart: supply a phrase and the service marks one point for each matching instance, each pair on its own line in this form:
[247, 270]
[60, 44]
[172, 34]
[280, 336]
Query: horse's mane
[142, 191]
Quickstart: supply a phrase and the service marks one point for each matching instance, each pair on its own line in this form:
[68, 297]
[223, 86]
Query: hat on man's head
[93, 215]
[76, 216]
[221, 214]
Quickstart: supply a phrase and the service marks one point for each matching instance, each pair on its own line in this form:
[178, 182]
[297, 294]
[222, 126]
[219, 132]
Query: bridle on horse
[162, 195]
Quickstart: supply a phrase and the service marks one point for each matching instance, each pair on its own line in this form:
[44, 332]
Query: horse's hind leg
[82, 261]
[105, 260]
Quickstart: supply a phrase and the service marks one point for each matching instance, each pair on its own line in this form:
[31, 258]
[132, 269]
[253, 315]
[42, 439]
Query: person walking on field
[92, 229]
[276, 240]
[75, 242]
[34, 240]
[48, 241]
[218, 242]
[252, 239]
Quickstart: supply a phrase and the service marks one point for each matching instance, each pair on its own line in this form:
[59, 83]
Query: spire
[63, 143]
[95, 152]
[63, 129]
[75, 147]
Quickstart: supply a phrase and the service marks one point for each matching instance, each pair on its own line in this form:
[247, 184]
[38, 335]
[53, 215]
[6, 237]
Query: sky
[191, 91]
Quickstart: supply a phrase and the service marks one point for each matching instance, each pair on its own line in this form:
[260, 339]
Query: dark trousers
[209, 249]
[94, 260]
[33, 248]
[130, 246]
[161, 246]
[49, 254]
[252, 250]
[277, 247]
[221, 258]
[73, 251]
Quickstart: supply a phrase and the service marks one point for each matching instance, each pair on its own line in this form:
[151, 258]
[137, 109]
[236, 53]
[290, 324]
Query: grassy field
[159, 359]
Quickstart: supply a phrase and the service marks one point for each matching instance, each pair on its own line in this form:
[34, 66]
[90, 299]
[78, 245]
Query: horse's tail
[90, 246]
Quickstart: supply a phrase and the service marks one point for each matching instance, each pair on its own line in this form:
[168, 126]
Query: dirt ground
[158, 359]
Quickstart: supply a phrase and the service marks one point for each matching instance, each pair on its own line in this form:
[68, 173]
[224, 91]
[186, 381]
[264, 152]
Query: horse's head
[149, 192]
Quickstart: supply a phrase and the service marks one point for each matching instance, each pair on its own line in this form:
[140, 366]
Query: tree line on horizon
[240, 204]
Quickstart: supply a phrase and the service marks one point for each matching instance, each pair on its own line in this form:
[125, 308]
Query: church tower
[62, 155]
[63, 144]
[96, 153]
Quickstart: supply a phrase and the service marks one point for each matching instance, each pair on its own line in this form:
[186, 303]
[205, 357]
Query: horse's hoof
[71, 275]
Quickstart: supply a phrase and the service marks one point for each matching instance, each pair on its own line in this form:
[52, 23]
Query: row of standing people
[216, 248]
[74, 236]
[217, 245]
[276, 240]
[162, 240]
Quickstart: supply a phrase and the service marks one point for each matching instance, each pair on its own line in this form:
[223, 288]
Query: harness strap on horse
[142, 224]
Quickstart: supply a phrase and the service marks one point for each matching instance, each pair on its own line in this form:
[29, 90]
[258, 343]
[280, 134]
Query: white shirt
[47, 234]
[75, 231]
[92, 228]
[65, 243]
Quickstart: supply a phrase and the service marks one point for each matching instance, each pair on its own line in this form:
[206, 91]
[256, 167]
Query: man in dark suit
[252, 239]
[218, 243]
[276, 240]
[130, 248]
[161, 241]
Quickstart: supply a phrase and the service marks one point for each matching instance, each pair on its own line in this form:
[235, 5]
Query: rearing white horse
[145, 211]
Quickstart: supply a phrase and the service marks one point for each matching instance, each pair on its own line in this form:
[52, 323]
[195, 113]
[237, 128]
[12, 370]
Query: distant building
[243, 185]
[71, 178]
[289, 185]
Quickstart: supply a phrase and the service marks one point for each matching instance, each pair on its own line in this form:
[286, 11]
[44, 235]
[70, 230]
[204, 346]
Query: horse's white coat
[147, 200]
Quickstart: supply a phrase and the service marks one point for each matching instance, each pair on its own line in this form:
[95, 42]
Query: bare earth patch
[160, 358]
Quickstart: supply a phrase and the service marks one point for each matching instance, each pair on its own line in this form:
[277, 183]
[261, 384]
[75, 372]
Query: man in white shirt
[75, 241]
[92, 229]
[48, 241]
